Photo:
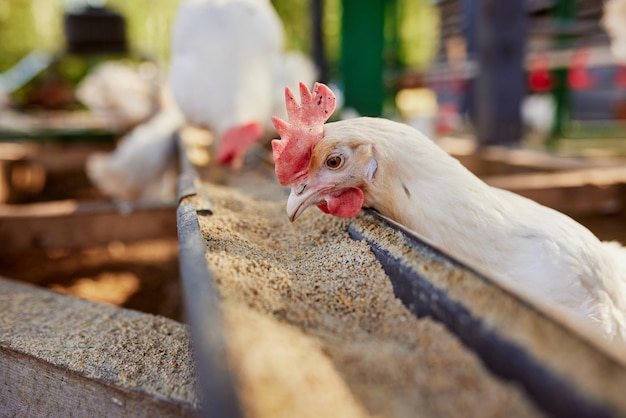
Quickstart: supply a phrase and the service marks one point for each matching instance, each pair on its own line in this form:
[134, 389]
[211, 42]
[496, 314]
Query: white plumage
[405, 176]
[138, 168]
[119, 95]
[227, 74]
[228, 69]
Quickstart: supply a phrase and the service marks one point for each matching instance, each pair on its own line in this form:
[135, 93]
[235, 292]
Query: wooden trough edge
[547, 357]
[70, 224]
[580, 192]
[534, 353]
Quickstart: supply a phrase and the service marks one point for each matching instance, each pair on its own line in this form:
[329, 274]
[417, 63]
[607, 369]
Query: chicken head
[327, 172]
[338, 175]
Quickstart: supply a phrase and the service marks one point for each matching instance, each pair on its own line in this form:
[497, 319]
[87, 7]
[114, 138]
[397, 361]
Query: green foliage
[418, 33]
[26, 25]
[295, 17]
[148, 25]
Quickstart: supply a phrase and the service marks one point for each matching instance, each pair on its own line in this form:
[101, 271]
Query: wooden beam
[35, 388]
[71, 224]
[575, 192]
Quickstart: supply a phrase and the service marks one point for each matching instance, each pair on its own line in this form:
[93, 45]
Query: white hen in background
[228, 70]
[228, 73]
[139, 167]
[120, 95]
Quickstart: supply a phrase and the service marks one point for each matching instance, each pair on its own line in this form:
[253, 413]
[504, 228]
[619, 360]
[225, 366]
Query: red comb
[303, 131]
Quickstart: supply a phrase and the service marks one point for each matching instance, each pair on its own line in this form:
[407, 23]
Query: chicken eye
[334, 162]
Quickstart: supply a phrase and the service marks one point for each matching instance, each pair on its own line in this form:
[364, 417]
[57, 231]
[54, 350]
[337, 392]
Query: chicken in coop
[227, 73]
[121, 96]
[229, 68]
[142, 167]
[392, 168]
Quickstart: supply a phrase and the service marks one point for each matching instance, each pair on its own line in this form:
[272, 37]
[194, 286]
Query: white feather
[502, 234]
[227, 69]
[613, 21]
[224, 54]
[137, 166]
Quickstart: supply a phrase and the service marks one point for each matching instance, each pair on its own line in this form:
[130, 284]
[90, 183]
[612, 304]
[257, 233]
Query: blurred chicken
[538, 112]
[538, 108]
[141, 166]
[119, 95]
[394, 169]
[228, 69]
[227, 75]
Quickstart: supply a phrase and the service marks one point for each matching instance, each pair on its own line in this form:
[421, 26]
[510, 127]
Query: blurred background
[530, 95]
[547, 70]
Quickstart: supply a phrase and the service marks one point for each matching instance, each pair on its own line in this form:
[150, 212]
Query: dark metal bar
[506, 359]
[317, 37]
[216, 386]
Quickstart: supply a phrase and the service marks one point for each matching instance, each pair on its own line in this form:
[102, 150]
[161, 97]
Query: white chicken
[394, 169]
[227, 74]
[141, 167]
[227, 61]
[119, 95]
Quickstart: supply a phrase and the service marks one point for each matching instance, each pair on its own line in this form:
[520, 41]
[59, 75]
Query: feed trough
[359, 317]
[321, 317]
[65, 356]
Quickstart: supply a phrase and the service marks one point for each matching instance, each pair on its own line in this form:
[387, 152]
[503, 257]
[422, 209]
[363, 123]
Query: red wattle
[323, 207]
[346, 204]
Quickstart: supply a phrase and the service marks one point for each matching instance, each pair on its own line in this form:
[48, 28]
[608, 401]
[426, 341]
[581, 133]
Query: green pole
[565, 13]
[362, 43]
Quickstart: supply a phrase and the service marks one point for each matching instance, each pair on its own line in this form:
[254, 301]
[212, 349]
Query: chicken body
[222, 74]
[228, 71]
[402, 174]
[139, 168]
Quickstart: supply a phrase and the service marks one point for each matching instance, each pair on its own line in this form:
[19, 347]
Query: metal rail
[538, 353]
[425, 296]
[216, 386]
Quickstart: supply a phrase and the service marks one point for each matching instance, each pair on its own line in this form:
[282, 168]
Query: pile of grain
[314, 328]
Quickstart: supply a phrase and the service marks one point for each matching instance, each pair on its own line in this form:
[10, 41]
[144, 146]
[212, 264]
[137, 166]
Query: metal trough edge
[507, 359]
[216, 386]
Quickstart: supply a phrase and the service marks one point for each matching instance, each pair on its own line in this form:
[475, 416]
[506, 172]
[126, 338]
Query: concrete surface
[64, 356]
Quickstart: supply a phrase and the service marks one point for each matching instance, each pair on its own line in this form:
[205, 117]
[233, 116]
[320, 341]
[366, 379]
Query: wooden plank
[33, 388]
[62, 356]
[575, 192]
[583, 200]
[494, 160]
[53, 156]
[597, 176]
[71, 224]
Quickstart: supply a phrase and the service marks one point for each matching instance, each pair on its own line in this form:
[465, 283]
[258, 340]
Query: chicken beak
[301, 198]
